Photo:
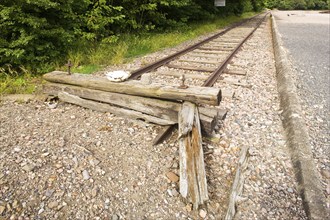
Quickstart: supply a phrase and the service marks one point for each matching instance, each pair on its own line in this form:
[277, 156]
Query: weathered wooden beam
[187, 75]
[208, 123]
[192, 54]
[216, 48]
[167, 110]
[203, 51]
[200, 95]
[192, 68]
[193, 186]
[234, 72]
[214, 62]
[102, 107]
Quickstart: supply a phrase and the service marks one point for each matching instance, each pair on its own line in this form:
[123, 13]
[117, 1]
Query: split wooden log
[167, 110]
[199, 95]
[193, 186]
[159, 108]
[102, 107]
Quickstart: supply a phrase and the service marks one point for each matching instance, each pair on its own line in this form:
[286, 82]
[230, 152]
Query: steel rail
[216, 74]
[168, 130]
[137, 73]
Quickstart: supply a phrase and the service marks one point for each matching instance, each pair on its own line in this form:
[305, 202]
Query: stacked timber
[152, 103]
[155, 103]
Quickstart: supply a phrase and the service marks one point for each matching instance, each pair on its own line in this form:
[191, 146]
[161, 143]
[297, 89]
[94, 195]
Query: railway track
[201, 63]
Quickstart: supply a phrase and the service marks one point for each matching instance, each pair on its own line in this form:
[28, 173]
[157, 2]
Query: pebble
[202, 213]
[41, 211]
[174, 192]
[85, 175]
[52, 205]
[115, 217]
[172, 177]
[95, 191]
[28, 167]
[2, 209]
[94, 162]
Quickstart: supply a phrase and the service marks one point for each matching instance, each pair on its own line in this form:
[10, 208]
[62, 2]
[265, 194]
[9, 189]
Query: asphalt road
[306, 35]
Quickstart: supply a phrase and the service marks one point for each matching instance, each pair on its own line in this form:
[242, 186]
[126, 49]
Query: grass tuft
[16, 82]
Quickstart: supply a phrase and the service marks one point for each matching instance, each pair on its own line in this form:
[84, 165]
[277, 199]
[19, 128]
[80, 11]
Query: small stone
[174, 192]
[41, 211]
[94, 162]
[2, 209]
[224, 144]
[98, 143]
[188, 207]
[175, 165]
[45, 154]
[107, 201]
[15, 204]
[115, 217]
[52, 205]
[202, 213]
[49, 192]
[172, 176]
[169, 192]
[85, 175]
[94, 192]
[290, 190]
[28, 167]
[325, 173]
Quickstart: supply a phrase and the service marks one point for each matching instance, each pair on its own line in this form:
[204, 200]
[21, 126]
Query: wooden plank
[186, 75]
[193, 186]
[205, 55]
[155, 107]
[211, 112]
[200, 95]
[199, 50]
[208, 123]
[235, 72]
[216, 48]
[66, 97]
[215, 62]
[192, 68]
[167, 110]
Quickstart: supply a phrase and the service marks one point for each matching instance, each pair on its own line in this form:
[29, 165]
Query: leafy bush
[39, 34]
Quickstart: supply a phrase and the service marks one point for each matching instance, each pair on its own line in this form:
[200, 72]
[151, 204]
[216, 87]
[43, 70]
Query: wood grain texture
[102, 107]
[193, 185]
[199, 95]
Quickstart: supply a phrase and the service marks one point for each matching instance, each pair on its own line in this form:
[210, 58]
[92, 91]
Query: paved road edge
[309, 185]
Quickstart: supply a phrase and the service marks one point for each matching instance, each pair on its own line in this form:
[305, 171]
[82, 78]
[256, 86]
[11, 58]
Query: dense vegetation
[298, 4]
[38, 34]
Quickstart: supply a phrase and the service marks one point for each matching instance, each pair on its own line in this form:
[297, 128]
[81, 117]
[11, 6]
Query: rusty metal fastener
[69, 65]
[183, 79]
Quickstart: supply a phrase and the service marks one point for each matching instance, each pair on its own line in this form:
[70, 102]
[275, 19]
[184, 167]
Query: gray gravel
[73, 163]
[307, 37]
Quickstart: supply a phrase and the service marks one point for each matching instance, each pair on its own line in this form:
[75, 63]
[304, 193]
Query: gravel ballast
[67, 162]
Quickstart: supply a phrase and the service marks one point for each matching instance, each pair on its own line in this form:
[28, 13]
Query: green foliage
[13, 82]
[41, 34]
[132, 45]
